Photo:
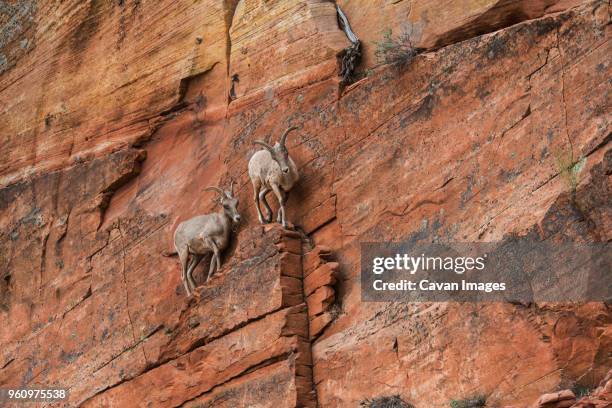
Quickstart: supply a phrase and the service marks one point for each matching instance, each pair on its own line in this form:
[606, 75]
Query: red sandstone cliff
[114, 115]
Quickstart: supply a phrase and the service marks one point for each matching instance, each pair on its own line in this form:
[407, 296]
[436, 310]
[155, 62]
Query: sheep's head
[227, 200]
[279, 151]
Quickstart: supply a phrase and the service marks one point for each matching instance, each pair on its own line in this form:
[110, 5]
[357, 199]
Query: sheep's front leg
[216, 255]
[281, 201]
[285, 198]
[211, 268]
[195, 260]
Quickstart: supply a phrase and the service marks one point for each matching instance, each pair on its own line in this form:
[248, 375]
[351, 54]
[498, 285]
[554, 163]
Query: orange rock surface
[114, 116]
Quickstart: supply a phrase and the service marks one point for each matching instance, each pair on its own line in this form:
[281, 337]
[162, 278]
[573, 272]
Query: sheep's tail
[169, 253]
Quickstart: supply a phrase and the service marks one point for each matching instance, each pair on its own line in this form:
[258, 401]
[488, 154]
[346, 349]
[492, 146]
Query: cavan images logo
[514, 270]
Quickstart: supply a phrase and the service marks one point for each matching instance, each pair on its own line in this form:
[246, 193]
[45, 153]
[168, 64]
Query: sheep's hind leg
[216, 256]
[262, 197]
[256, 189]
[184, 257]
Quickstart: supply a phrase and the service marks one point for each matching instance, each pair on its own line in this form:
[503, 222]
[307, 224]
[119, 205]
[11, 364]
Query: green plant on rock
[581, 391]
[569, 169]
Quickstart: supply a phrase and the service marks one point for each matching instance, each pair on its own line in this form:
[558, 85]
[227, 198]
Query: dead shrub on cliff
[477, 401]
[351, 55]
[397, 51]
[393, 401]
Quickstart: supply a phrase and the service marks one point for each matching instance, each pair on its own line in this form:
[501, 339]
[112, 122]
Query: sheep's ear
[264, 144]
[283, 138]
[231, 190]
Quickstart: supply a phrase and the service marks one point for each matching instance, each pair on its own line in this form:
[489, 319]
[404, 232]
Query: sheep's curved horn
[283, 138]
[264, 144]
[217, 189]
[231, 190]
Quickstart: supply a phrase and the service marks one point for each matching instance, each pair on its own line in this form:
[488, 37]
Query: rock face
[115, 115]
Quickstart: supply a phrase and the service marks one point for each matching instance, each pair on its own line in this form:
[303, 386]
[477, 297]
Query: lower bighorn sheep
[206, 234]
[273, 170]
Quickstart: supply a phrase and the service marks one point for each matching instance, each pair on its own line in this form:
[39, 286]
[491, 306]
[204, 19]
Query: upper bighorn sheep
[206, 234]
[275, 171]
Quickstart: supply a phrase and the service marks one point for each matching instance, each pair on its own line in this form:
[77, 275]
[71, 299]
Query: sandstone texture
[115, 115]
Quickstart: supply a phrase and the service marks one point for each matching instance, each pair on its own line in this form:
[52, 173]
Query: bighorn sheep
[273, 170]
[206, 234]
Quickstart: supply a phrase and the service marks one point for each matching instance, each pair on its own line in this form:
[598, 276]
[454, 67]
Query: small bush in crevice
[581, 391]
[477, 401]
[335, 310]
[393, 401]
[397, 51]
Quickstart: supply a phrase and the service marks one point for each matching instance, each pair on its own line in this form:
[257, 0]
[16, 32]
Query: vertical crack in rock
[43, 259]
[562, 71]
[230, 10]
[125, 284]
